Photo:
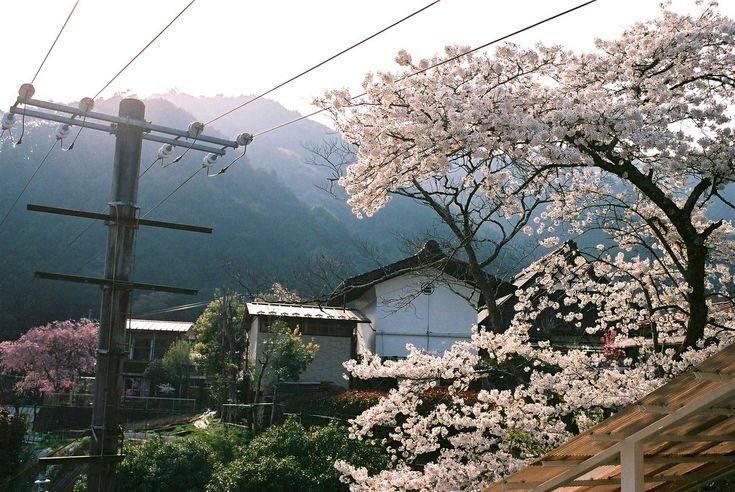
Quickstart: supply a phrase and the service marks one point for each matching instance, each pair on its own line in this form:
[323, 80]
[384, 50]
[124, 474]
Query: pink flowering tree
[52, 357]
[634, 139]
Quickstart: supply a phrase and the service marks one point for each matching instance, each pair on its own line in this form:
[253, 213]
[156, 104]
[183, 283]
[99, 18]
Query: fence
[159, 404]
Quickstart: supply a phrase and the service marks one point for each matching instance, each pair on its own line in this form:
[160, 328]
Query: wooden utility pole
[111, 348]
[130, 129]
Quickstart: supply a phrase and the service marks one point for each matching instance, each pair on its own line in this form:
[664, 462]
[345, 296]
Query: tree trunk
[698, 311]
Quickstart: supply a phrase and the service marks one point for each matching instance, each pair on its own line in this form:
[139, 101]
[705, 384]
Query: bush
[289, 457]
[12, 432]
[155, 465]
[346, 404]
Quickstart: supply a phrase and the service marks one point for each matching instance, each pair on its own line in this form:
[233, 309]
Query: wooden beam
[713, 376]
[590, 482]
[666, 410]
[109, 218]
[615, 437]
[712, 397]
[119, 284]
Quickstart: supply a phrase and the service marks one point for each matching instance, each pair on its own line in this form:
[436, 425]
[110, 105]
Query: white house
[427, 300]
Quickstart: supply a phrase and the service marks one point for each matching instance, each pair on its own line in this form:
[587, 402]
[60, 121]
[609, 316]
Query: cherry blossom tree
[634, 139]
[52, 357]
[647, 113]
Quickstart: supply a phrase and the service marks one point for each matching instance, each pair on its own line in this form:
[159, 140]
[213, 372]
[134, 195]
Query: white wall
[432, 322]
[327, 363]
[366, 331]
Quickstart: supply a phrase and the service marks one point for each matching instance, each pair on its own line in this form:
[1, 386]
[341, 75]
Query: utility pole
[130, 129]
[111, 346]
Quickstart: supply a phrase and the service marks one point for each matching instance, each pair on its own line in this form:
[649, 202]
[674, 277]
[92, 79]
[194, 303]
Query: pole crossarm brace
[151, 132]
[118, 120]
[117, 284]
[194, 145]
[110, 218]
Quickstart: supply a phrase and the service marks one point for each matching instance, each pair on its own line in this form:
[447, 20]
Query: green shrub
[223, 443]
[346, 404]
[289, 457]
[155, 465]
[267, 474]
[12, 432]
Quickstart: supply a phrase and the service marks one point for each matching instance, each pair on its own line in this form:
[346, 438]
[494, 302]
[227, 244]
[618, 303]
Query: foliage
[288, 353]
[51, 358]
[158, 374]
[223, 443]
[12, 432]
[290, 457]
[177, 358]
[285, 457]
[156, 465]
[284, 355]
[221, 344]
[278, 293]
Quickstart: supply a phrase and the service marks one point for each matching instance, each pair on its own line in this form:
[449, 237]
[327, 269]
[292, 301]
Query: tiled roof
[156, 325]
[305, 311]
[429, 256]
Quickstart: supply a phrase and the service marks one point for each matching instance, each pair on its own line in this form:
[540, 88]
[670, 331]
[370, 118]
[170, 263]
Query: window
[141, 348]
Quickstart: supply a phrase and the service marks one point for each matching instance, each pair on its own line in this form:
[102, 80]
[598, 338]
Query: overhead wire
[165, 199]
[28, 183]
[435, 65]
[278, 86]
[327, 60]
[63, 26]
[38, 71]
[173, 309]
[448, 60]
[160, 33]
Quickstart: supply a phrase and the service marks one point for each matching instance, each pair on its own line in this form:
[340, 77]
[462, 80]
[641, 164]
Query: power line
[172, 309]
[451, 59]
[364, 40]
[497, 40]
[55, 40]
[160, 33]
[28, 183]
[172, 193]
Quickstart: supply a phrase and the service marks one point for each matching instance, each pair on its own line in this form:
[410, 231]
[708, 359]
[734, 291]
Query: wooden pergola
[678, 437]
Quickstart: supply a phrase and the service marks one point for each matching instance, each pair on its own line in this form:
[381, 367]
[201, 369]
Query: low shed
[332, 328]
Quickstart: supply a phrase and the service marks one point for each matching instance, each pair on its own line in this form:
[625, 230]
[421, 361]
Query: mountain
[271, 221]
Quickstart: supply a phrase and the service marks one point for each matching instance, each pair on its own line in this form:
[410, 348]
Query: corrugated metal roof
[156, 325]
[305, 311]
[675, 458]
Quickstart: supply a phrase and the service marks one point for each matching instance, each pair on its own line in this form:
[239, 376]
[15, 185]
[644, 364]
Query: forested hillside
[271, 221]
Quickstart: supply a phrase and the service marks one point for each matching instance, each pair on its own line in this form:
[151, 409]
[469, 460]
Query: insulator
[26, 92]
[86, 104]
[62, 131]
[244, 139]
[195, 129]
[209, 160]
[165, 151]
[8, 121]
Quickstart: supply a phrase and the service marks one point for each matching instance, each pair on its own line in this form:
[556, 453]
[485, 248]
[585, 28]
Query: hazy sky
[237, 47]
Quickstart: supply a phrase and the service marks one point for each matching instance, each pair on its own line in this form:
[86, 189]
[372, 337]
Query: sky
[235, 47]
